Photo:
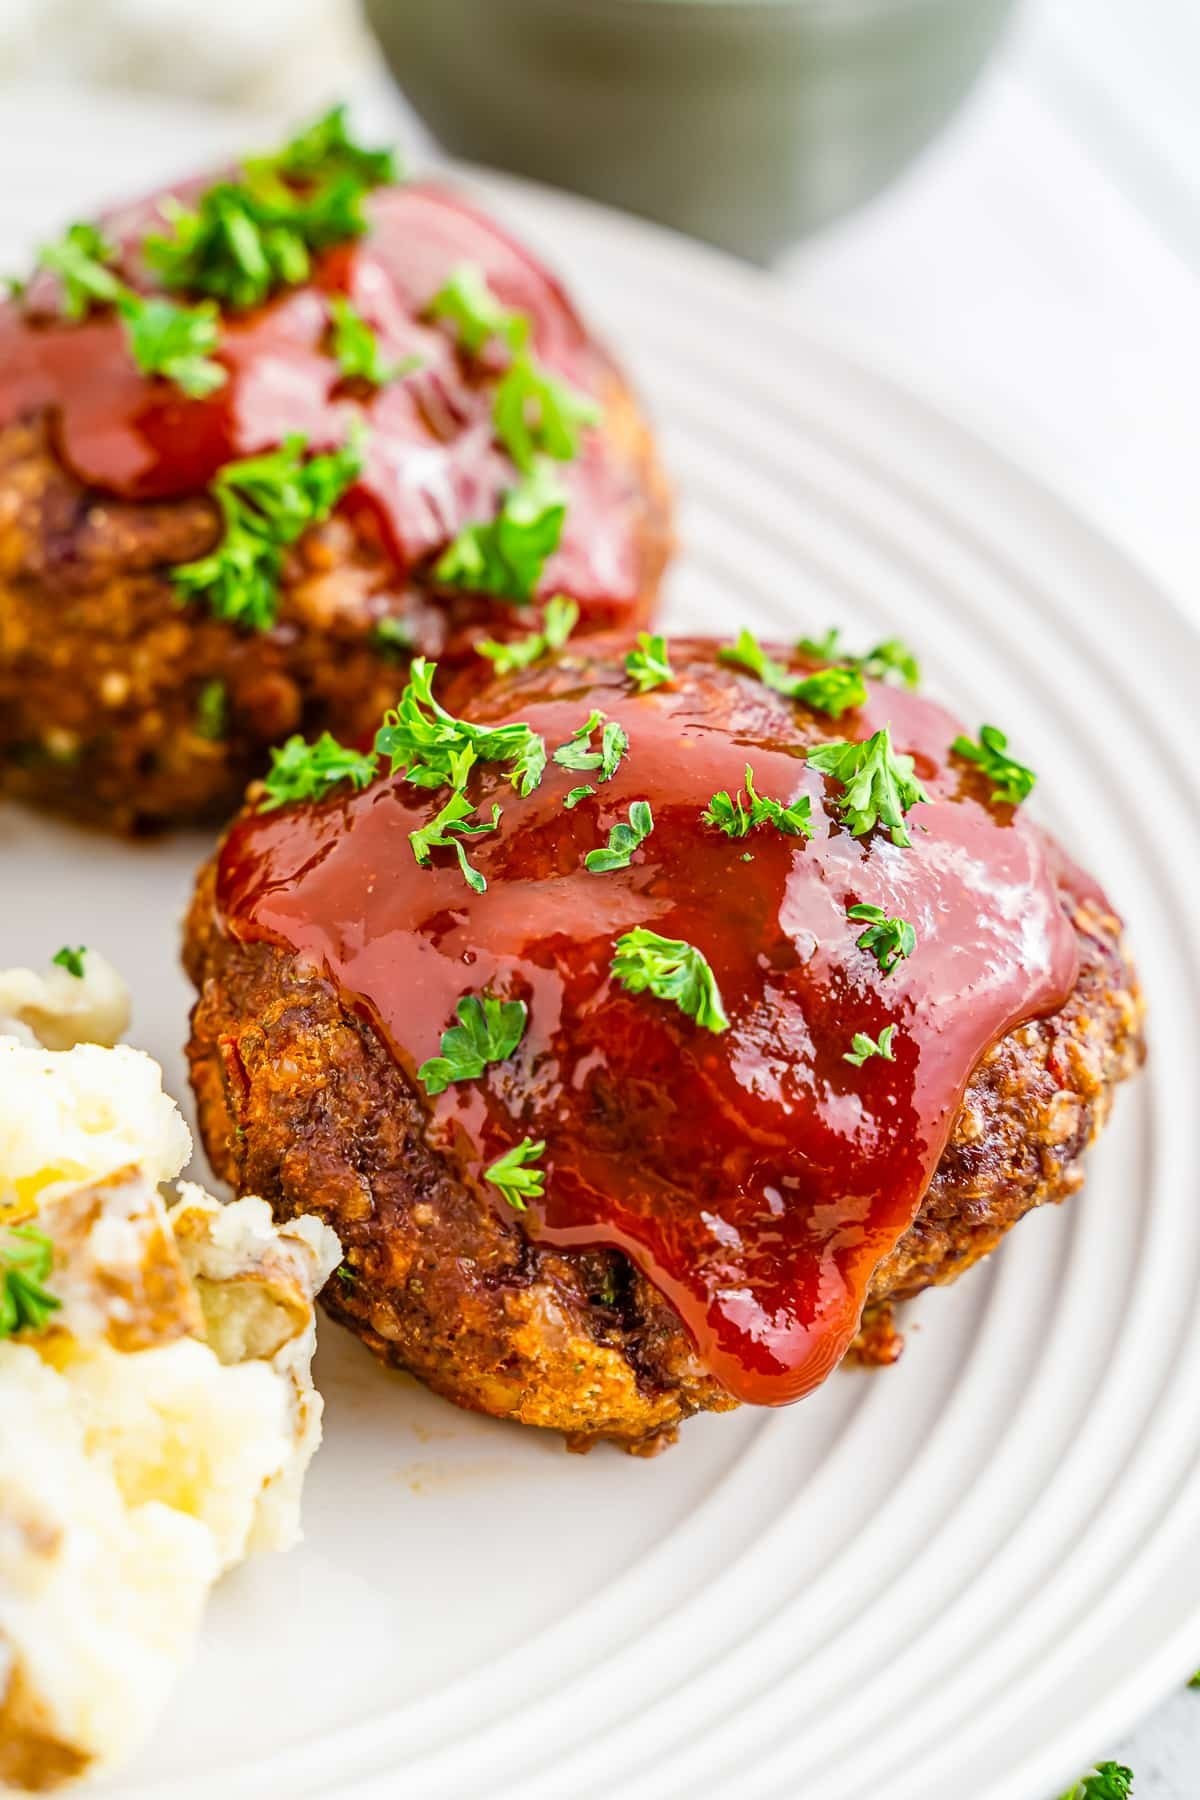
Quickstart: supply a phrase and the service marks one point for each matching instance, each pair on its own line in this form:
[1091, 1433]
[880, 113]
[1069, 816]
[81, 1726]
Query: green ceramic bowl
[748, 122]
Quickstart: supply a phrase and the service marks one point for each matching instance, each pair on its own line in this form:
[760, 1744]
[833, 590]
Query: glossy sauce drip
[756, 1177]
[432, 463]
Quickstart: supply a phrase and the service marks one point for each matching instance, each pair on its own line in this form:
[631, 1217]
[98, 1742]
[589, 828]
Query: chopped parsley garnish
[212, 711]
[879, 784]
[244, 238]
[469, 304]
[558, 622]
[833, 691]
[325, 148]
[578, 755]
[889, 941]
[80, 259]
[730, 815]
[70, 960]
[446, 830]
[505, 556]
[356, 347]
[623, 840]
[488, 1031]
[513, 1174]
[26, 1259]
[535, 413]
[1108, 1781]
[392, 638]
[306, 771]
[649, 665]
[891, 657]
[1011, 781]
[174, 341]
[434, 749]
[163, 338]
[673, 970]
[577, 794]
[346, 1274]
[266, 503]
[864, 1047]
[823, 649]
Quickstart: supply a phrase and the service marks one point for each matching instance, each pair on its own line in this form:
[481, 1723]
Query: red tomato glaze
[432, 463]
[755, 1176]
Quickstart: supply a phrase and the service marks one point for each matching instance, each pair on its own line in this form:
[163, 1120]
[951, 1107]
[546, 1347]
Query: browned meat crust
[103, 674]
[300, 1101]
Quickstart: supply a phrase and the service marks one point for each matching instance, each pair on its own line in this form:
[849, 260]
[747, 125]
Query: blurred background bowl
[747, 122]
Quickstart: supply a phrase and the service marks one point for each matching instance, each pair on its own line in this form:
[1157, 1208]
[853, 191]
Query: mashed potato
[155, 1424]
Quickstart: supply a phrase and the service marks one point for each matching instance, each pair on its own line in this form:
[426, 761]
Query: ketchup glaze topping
[432, 464]
[755, 1176]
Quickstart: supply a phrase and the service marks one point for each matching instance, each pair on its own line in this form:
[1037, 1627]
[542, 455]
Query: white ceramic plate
[962, 1576]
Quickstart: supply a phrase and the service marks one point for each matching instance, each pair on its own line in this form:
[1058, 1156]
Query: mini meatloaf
[264, 439]
[649, 1021]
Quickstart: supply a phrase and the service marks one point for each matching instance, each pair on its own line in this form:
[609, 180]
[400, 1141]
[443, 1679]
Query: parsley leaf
[164, 339]
[80, 259]
[1108, 1781]
[577, 753]
[356, 347]
[326, 148]
[577, 794]
[623, 840]
[512, 1174]
[864, 1047]
[649, 664]
[728, 813]
[488, 1031]
[822, 649]
[673, 970]
[174, 341]
[879, 784]
[469, 304]
[504, 556]
[70, 960]
[392, 638]
[26, 1259]
[558, 622]
[306, 771]
[243, 239]
[445, 832]
[1011, 781]
[266, 503]
[212, 711]
[889, 941]
[535, 412]
[833, 691]
[891, 657]
[434, 749]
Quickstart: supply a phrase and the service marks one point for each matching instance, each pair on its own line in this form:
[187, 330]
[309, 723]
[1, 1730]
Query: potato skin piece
[300, 1101]
[102, 671]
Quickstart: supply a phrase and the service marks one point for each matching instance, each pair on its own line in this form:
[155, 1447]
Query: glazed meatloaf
[264, 439]
[762, 1006]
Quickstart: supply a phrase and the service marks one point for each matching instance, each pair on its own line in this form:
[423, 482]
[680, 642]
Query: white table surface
[1037, 271]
